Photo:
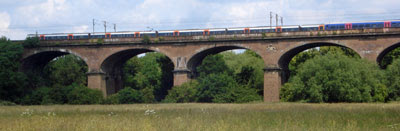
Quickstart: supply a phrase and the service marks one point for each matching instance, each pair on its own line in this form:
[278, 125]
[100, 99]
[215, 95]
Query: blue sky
[21, 17]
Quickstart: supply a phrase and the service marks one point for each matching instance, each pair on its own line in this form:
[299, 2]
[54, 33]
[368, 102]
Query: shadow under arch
[197, 58]
[112, 67]
[285, 59]
[382, 54]
[37, 61]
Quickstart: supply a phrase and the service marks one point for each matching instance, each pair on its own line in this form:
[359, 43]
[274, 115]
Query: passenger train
[222, 31]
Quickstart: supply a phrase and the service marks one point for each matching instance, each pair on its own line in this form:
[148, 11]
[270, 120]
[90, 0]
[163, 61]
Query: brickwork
[276, 50]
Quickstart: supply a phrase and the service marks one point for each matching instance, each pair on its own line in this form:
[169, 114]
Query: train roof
[201, 30]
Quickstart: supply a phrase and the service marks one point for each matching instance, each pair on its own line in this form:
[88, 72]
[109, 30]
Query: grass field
[193, 116]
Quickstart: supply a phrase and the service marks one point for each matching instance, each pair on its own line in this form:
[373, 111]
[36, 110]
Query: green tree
[213, 64]
[389, 57]
[183, 93]
[31, 42]
[311, 53]
[336, 78]
[150, 72]
[12, 82]
[393, 75]
[247, 67]
[216, 87]
[130, 69]
[83, 95]
[66, 70]
[129, 96]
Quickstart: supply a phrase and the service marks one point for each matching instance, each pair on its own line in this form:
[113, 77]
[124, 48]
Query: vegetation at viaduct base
[323, 74]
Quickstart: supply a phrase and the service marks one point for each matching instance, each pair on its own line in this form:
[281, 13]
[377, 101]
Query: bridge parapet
[233, 37]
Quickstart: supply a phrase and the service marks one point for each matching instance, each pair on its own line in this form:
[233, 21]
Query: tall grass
[255, 116]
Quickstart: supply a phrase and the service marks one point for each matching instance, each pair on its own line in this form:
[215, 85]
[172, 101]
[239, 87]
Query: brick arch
[287, 56]
[111, 66]
[385, 51]
[37, 60]
[196, 59]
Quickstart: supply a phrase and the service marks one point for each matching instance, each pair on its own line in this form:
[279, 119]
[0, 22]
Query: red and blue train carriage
[223, 31]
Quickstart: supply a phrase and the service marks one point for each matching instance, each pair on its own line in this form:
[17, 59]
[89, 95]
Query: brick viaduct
[106, 57]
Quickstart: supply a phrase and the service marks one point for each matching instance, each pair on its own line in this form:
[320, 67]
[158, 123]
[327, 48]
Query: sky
[21, 17]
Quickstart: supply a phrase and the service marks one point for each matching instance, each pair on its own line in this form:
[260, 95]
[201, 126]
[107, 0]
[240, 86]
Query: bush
[184, 93]
[216, 88]
[393, 83]
[244, 94]
[38, 97]
[336, 78]
[146, 39]
[128, 96]
[112, 99]
[83, 95]
[148, 94]
[7, 103]
[31, 42]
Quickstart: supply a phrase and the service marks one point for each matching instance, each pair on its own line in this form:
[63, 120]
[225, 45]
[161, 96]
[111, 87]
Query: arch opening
[228, 69]
[196, 59]
[54, 69]
[389, 54]
[139, 69]
[286, 58]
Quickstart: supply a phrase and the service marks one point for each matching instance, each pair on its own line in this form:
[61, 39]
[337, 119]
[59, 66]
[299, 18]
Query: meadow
[196, 116]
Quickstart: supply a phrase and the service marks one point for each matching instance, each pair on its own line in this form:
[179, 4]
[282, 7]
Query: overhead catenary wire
[205, 22]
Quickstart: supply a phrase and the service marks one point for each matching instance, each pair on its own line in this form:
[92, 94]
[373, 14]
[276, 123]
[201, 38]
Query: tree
[152, 72]
[184, 93]
[130, 69]
[129, 96]
[389, 58]
[213, 64]
[336, 78]
[31, 42]
[12, 82]
[311, 53]
[393, 75]
[216, 87]
[247, 67]
[66, 70]
[83, 95]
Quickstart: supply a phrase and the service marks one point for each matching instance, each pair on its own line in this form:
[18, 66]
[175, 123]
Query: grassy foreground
[247, 117]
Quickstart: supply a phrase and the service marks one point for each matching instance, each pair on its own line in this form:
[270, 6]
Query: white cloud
[5, 20]
[5, 28]
[39, 13]
[78, 29]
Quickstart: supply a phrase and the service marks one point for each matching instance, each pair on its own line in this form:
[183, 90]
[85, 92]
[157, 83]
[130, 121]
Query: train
[221, 31]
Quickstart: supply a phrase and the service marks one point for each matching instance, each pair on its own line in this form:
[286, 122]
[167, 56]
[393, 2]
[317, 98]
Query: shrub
[148, 94]
[128, 96]
[83, 95]
[393, 83]
[146, 39]
[243, 94]
[112, 99]
[184, 93]
[263, 35]
[216, 88]
[38, 96]
[99, 41]
[7, 103]
[336, 78]
[31, 42]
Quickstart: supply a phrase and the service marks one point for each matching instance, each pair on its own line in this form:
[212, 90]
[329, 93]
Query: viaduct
[105, 57]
